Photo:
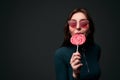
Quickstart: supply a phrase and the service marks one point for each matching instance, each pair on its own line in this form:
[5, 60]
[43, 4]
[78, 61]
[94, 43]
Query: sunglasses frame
[83, 23]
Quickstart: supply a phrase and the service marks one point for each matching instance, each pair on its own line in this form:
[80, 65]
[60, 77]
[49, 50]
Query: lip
[79, 33]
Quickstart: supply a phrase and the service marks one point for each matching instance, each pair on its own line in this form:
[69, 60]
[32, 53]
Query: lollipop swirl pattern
[78, 39]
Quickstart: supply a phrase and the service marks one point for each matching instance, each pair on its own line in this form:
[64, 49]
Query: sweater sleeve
[60, 66]
[99, 53]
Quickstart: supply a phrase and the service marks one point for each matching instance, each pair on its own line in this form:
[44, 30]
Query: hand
[76, 64]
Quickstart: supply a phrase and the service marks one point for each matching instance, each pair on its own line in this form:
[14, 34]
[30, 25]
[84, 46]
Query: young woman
[84, 64]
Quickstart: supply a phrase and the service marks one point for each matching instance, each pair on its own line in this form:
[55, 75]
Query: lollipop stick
[77, 48]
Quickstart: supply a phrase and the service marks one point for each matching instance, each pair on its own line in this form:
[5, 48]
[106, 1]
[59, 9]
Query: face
[78, 24]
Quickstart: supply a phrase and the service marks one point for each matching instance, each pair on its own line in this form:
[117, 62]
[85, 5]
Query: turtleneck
[90, 59]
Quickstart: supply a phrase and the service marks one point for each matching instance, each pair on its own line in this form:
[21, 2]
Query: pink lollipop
[78, 39]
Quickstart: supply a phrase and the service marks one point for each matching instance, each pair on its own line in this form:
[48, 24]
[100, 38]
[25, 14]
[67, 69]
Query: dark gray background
[33, 30]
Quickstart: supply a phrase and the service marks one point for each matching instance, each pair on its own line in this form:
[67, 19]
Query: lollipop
[78, 39]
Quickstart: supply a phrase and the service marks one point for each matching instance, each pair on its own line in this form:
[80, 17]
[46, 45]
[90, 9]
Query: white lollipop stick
[77, 48]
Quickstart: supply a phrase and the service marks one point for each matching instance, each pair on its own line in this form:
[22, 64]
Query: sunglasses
[82, 23]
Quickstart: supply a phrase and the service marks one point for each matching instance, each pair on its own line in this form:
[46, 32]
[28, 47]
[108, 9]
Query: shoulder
[97, 50]
[64, 52]
[94, 47]
[61, 51]
[97, 47]
[62, 55]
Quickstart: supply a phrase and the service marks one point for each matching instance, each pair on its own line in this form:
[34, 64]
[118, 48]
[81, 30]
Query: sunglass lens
[84, 23]
[72, 23]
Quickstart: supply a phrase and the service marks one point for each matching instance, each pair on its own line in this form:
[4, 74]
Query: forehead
[78, 16]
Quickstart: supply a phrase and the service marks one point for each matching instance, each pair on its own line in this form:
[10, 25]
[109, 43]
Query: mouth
[79, 33]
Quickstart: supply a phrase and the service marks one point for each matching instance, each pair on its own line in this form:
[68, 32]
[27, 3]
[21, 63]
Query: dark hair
[90, 33]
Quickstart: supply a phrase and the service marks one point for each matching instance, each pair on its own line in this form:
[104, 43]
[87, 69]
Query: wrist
[75, 75]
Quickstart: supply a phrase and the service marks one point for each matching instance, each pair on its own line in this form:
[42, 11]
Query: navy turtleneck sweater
[90, 59]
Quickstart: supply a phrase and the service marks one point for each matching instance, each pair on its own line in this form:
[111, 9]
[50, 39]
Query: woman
[84, 64]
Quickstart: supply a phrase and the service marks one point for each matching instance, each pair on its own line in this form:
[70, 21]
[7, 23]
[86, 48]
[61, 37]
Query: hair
[90, 33]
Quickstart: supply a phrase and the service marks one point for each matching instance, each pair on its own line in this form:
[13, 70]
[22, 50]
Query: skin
[78, 16]
[75, 60]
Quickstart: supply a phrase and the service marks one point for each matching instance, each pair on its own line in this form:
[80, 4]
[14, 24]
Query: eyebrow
[80, 20]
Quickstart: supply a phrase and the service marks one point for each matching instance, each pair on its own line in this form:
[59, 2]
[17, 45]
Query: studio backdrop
[32, 31]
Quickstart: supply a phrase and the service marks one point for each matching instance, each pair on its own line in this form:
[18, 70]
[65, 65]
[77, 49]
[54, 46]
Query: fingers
[76, 67]
[76, 53]
[75, 61]
[75, 56]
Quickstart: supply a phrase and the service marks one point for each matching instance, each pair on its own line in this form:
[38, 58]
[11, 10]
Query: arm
[60, 67]
[98, 48]
[76, 64]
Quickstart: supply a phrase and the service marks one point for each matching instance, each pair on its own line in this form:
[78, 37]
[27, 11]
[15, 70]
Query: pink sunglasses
[83, 23]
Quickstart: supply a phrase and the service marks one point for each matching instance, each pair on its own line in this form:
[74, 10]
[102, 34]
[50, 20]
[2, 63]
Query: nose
[78, 27]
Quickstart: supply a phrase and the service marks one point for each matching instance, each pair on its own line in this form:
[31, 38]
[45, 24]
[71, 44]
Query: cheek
[71, 30]
[86, 27]
[84, 30]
